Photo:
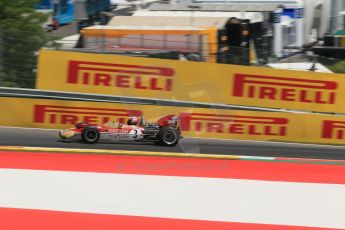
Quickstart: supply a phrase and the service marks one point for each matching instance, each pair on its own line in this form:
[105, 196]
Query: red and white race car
[165, 131]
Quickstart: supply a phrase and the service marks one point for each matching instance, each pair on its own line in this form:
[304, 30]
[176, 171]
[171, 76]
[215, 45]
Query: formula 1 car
[165, 131]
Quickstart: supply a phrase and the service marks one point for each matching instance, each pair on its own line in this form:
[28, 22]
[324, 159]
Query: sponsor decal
[120, 75]
[118, 130]
[333, 129]
[277, 17]
[299, 13]
[249, 125]
[284, 89]
[71, 115]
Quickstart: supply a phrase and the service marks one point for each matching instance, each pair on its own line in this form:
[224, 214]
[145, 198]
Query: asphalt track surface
[48, 138]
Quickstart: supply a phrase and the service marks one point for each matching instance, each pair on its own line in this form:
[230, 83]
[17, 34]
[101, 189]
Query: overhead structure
[219, 7]
[218, 22]
[253, 17]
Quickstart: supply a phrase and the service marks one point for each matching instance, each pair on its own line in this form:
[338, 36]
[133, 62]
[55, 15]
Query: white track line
[248, 201]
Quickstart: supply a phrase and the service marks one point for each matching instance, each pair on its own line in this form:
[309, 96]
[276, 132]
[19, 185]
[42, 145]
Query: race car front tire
[168, 136]
[90, 135]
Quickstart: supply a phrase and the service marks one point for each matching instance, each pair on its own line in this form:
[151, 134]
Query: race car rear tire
[90, 135]
[168, 136]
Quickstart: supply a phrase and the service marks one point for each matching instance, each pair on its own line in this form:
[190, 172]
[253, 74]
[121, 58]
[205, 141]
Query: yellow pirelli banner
[204, 123]
[190, 81]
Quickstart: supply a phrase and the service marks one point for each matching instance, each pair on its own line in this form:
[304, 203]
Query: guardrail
[70, 96]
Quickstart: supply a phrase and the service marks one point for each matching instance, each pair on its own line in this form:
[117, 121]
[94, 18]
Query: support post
[278, 33]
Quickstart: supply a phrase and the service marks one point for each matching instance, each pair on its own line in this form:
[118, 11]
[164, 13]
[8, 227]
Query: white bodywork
[133, 135]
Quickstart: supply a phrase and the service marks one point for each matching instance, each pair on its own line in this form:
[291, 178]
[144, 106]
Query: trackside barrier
[190, 81]
[195, 122]
[45, 94]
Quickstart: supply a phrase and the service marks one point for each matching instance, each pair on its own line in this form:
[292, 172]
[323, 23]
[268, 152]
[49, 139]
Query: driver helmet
[132, 121]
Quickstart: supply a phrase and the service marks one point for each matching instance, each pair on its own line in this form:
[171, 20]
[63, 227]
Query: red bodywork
[170, 120]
